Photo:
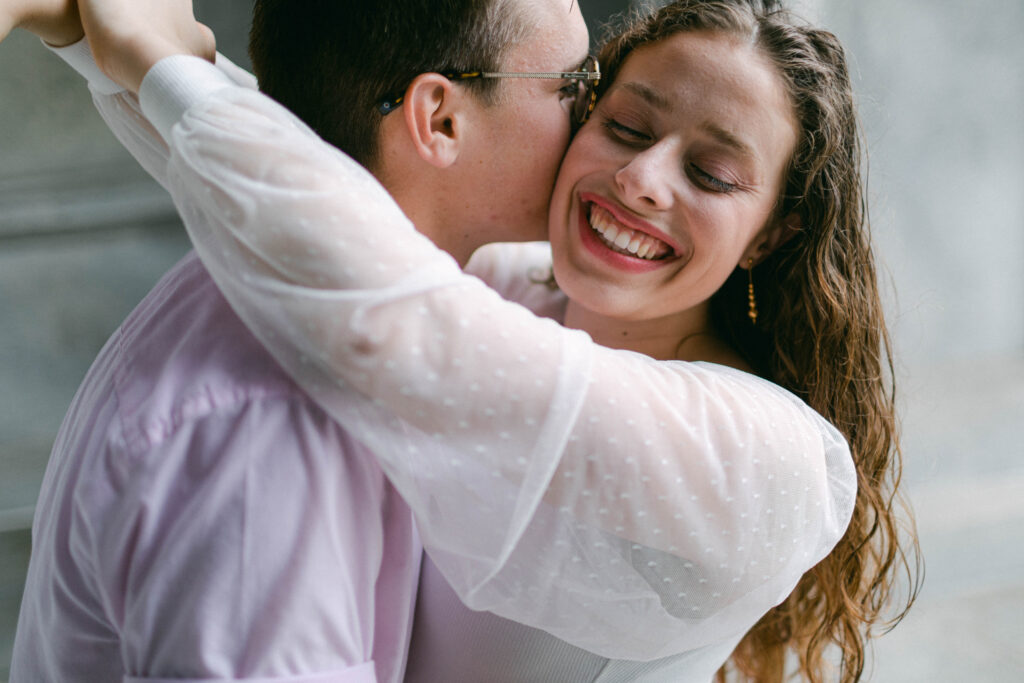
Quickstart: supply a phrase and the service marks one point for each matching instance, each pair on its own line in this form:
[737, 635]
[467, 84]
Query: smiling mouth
[623, 240]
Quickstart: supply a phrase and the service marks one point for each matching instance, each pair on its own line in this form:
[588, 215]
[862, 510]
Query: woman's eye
[570, 90]
[625, 133]
[709, 181]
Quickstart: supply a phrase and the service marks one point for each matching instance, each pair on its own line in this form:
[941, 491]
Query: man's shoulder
[183, 355]
[520, 272]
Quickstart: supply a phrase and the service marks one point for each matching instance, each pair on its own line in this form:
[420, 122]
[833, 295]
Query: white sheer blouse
[634, 508]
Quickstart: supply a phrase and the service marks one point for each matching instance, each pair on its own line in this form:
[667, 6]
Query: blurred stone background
[84, 234]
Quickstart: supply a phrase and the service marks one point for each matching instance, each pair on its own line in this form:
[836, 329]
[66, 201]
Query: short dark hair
[331, 62]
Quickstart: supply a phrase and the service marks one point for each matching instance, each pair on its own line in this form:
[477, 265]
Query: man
[201, 517]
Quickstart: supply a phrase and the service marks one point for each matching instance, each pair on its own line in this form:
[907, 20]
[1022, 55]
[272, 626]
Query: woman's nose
[647, 178]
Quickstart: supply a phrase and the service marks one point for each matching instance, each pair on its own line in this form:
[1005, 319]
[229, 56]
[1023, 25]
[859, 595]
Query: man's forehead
[552, 12]
[559, 33]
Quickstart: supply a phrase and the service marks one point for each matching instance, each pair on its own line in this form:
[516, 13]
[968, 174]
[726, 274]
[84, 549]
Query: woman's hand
[7, 20]
[128, 37]
[55, 21]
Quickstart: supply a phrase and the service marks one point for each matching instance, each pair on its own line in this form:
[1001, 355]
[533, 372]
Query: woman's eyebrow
[648, 94]
[662, 103]
[727, 138]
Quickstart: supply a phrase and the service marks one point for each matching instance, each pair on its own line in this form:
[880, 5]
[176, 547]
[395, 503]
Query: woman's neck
[658, 338]
[687, 335]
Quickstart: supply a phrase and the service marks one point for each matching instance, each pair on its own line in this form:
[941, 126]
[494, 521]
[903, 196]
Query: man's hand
[55, 21]
[128, 37]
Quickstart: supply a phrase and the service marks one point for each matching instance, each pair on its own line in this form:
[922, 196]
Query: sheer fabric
[456, 645]
[631, 507]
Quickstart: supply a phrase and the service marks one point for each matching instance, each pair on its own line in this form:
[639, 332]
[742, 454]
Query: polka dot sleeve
[632, 507]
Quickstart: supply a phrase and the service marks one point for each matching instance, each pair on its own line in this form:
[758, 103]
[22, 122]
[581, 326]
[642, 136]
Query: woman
[815, 326]
[633, 505]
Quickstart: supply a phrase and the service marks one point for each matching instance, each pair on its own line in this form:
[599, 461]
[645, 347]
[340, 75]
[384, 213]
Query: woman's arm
[121, 111]
[631, 507]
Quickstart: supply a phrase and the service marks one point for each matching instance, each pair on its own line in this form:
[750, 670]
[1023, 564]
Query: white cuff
[174, 85]
[79, 57]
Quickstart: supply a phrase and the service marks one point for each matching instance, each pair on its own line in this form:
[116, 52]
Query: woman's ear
[433, 119]
[771, 237]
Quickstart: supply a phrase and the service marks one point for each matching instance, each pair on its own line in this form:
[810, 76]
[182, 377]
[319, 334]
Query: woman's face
[673, 181]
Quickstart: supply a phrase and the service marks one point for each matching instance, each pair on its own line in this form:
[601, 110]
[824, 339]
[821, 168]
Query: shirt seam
[203, 404]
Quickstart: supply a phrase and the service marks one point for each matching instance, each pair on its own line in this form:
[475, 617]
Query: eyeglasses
[585, 80]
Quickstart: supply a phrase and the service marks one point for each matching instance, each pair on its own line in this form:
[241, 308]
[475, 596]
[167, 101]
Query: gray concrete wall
[941, 88]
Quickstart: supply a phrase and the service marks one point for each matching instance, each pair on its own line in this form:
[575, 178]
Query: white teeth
[622, 238]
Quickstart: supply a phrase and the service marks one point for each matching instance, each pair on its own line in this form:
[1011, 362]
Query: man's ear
[433, 119]
[773, 236]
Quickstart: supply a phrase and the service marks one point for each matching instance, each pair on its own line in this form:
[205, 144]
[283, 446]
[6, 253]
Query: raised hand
[55, 21]
[129, 36]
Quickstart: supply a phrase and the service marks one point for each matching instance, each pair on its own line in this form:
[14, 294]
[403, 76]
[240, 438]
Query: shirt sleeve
[632, 507]
[240, 549]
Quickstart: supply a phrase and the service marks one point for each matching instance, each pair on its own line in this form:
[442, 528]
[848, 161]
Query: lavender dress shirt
[202, 518]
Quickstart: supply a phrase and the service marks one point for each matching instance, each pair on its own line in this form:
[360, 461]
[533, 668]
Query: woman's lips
[625, 242]
[627, 220]
[621, 258]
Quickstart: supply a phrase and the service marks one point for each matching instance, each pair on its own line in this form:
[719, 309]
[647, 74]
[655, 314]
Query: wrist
[56, 31]
[127, 62]
[61, 38]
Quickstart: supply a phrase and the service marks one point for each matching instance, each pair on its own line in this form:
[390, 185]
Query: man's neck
[448, 236]
[434, 218]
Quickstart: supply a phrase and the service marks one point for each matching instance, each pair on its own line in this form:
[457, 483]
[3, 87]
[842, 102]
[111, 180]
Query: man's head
[331, 62]
[470, 161]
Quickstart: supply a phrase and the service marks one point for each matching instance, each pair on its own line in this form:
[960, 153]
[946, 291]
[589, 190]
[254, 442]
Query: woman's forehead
[710, 75]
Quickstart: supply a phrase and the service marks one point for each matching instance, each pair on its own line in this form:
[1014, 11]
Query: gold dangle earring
[752, 311]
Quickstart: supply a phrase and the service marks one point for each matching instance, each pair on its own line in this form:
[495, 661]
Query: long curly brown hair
[821, 334]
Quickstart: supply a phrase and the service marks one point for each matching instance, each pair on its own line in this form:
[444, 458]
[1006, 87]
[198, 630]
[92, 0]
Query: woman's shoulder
[503, 258]
[520, 272]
